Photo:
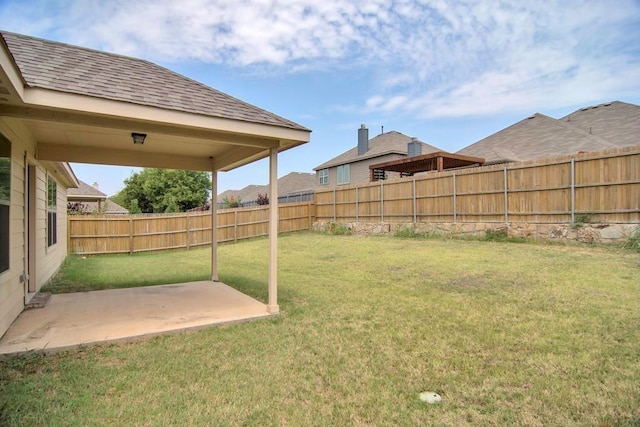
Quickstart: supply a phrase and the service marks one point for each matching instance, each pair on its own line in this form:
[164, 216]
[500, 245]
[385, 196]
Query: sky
[447, 72]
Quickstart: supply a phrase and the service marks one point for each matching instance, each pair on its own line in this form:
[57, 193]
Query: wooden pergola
[437, 161]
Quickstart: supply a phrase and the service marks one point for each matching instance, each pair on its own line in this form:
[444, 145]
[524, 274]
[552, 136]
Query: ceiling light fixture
[138, 138]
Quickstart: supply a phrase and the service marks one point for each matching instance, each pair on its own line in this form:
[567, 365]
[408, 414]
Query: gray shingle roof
[383, 144]
[85, 191]
[606, 126]
[617, 122]
[71, 69]
[292, 183]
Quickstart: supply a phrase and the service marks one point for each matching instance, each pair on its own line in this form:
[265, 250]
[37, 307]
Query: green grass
[508, 334]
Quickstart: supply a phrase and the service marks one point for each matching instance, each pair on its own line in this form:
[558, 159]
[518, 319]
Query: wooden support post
[214, 226]
[272, 307]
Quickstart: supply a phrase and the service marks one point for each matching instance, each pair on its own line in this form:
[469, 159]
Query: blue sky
[447, 72]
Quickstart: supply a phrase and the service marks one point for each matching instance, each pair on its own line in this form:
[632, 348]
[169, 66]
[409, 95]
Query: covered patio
[81, 105]
[72, 320]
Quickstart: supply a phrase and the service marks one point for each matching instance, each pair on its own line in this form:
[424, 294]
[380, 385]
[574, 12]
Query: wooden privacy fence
[593, 187]
[153, 232]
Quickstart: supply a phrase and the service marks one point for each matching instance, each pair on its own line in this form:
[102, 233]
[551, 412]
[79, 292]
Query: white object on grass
[430, 397]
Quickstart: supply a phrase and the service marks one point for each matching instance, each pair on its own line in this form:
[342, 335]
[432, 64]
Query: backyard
[507, 334]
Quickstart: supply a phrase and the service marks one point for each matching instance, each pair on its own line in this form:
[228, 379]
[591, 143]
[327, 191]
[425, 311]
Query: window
[5, 201]
[323, 176]
[52, 212]
[344, 173]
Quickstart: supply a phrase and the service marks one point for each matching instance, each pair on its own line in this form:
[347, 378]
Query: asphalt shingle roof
[85, 190]
[88, 196]
[606, 126]
[385, 143]
[617, 122]
[292, 183]
[61, 67]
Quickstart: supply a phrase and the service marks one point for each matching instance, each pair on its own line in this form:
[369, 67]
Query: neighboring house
[290, 185]
[611, 125]
[61, 103]
[93, 201]
[352, 167]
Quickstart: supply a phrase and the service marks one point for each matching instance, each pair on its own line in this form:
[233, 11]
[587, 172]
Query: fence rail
[600, 187]
[155, 232]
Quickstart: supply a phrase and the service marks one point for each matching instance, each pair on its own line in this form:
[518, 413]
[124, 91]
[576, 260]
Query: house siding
[48, 260]
[359, 171]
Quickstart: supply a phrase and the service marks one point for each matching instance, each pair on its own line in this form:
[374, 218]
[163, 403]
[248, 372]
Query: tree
[164, 190]
[231, 202]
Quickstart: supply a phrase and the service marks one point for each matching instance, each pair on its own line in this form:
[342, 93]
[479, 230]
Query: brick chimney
[363, 140]
[96, 186]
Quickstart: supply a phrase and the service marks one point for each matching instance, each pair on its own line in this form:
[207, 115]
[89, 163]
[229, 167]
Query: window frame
[52, 211]
[344, 174]
[5, 206]
[323, 176]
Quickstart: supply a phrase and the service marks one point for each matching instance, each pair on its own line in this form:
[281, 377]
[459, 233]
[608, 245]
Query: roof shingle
[611, 125]
[61, 67]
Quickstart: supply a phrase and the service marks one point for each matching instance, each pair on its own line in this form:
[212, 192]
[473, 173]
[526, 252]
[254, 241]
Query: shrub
[633, 240]
[231, 202]
[263, 199]
[410, 233]
[338, 229]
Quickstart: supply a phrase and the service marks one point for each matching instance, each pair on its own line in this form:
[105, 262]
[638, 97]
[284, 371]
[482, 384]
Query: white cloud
[432, 58]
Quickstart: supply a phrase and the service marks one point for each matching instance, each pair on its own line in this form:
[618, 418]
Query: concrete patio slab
[76, 319]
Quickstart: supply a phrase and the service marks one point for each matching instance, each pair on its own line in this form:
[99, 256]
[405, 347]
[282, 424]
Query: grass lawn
[508, 334]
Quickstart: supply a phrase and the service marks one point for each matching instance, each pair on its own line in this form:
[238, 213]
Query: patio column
[214, 225]
[272, 306]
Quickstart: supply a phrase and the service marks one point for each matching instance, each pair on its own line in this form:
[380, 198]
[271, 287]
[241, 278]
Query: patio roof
[73, 104]
[437, 161]
[81, 105]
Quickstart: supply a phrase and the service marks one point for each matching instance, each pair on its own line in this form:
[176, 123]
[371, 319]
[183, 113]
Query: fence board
[144, 233]
[602, 186]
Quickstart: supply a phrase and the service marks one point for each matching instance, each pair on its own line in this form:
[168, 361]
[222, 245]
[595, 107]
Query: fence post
[235, 225]
[415, 208]
[455, 201]
[382, 201]
[188, 232]
[130, 235]
[573, 191]
[506, 198]
[357, 205]
[69, 234]
[334, 205]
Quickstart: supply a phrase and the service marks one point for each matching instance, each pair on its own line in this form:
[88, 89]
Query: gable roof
[391, 142]
[85, 191]
[606, 126]
[93, 199]
[61, 67]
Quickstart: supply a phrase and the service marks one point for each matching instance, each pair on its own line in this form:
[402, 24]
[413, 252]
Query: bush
[263, 199]
[633, 241]
[410, 233]
[231, 202]
[338, 229]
